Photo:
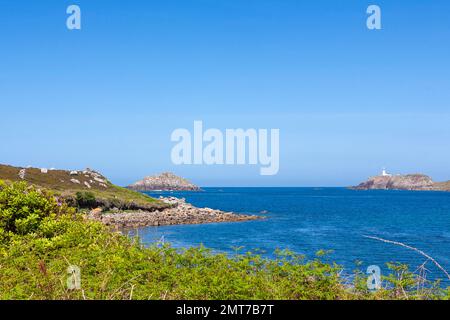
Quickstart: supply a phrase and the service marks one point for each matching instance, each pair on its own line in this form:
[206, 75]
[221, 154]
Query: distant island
[166, 181]
[413, 182]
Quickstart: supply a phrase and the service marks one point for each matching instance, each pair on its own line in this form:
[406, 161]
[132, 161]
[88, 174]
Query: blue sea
[306, 220]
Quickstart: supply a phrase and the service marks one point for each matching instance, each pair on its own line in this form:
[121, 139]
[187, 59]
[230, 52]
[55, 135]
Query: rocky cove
[179, 212]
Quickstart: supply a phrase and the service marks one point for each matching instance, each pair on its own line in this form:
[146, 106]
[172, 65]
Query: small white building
[384, 173]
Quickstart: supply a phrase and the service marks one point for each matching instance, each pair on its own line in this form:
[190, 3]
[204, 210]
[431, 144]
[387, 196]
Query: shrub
[86, 200]
[23, 208]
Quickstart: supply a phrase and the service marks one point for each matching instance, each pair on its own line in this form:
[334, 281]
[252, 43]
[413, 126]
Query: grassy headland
[85, 184]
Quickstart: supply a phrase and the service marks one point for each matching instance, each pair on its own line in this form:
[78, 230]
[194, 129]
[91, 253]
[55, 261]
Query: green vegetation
[42, 236]
[85, 199]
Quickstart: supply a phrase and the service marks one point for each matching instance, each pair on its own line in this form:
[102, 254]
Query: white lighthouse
[384, 173]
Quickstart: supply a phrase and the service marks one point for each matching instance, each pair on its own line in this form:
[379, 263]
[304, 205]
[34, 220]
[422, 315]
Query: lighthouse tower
[384, 173]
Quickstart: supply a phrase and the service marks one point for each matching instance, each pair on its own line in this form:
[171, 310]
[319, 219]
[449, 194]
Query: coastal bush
[23, 208]
[91, 200]
[45, 237]
[86, 200]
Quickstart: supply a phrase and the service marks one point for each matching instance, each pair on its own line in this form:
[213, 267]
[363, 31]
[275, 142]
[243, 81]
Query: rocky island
[166, 181]
[413, 182]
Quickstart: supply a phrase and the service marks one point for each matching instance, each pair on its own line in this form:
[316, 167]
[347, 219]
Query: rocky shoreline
[180, 212]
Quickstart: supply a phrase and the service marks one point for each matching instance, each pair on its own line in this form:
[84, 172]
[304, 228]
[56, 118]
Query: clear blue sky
[347, 100]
